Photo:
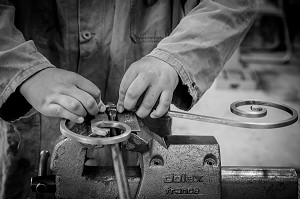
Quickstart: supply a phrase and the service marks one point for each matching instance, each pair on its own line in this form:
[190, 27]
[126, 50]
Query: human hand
[154, 77]
[60, 93]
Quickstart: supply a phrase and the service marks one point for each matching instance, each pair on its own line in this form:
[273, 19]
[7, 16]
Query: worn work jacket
[99, 39]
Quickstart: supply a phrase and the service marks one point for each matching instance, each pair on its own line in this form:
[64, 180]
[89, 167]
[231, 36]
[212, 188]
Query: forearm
[19, 58]
[202, 42]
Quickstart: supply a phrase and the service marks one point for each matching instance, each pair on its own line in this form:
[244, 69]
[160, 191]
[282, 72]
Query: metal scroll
[98, 141]
[256, 111]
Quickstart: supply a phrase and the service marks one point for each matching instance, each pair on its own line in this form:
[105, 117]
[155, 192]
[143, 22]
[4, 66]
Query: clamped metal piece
[99, 130]
[118, 163]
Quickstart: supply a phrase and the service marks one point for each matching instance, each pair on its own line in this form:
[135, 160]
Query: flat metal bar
[255, 112]
[260, 112]
[222, 121]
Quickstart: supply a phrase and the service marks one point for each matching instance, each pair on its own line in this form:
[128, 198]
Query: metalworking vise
[176, 166]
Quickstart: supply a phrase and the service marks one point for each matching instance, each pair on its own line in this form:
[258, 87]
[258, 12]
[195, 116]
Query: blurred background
[266, 67]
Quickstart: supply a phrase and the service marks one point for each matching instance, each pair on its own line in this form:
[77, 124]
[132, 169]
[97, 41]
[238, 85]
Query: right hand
[60, 93]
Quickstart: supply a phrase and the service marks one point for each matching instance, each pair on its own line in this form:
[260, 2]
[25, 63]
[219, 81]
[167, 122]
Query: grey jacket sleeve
[202, 42]
[19, 59]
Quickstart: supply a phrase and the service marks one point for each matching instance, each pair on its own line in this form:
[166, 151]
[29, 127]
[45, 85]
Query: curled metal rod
[98, 141]
[255, 112]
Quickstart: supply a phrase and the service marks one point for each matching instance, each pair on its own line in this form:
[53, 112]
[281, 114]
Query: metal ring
[98, 140]
[254, 113]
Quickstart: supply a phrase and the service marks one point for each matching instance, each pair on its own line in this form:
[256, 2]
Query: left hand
[152, 76]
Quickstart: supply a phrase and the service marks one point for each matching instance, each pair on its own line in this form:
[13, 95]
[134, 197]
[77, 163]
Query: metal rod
[121, 178]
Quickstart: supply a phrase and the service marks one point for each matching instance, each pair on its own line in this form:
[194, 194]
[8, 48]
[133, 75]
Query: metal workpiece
[118, 163]
[94, 139]
[120, 172]
[99, 128]
[256, 111]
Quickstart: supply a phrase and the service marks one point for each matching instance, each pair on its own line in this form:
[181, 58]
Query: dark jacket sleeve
[19, 59]
[202, 42]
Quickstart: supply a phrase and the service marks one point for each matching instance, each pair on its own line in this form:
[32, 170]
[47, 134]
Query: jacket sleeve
[202, 42]
[19, 59]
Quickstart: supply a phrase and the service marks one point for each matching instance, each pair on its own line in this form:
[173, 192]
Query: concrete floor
[250, 147]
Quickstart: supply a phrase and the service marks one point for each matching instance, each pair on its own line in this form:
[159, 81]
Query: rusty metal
[253, 113]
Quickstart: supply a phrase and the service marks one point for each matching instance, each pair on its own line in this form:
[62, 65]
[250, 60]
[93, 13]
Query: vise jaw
[170, 167]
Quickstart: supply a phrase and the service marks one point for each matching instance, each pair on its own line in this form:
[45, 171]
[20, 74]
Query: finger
[56, 110]
[164, 104]
[101, 106]
[128, 78]
[69, 103]
[87, 101]
[88, 87]
[135, 90]
[148, 103]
